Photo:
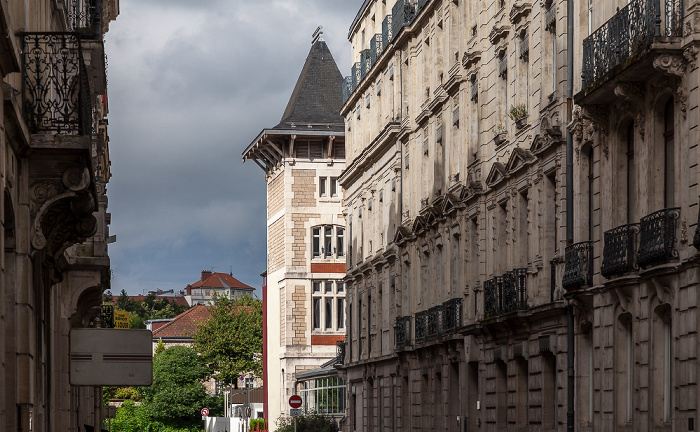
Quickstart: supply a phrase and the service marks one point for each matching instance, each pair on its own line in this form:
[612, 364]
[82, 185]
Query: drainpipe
[569, 209]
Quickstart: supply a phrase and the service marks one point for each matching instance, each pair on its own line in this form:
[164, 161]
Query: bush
[258, 423]
[309, 422]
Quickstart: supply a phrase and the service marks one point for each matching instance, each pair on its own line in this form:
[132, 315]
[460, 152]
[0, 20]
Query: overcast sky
[191, 84]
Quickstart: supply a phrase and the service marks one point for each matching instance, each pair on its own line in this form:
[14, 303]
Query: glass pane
[329, 287]
[316, 242]
[334, 186]
[317, 313]
[340, 240]
[341, 287]
[322, 186]
[328, 243]
[317, 287]
[341, 313]
[329, 314]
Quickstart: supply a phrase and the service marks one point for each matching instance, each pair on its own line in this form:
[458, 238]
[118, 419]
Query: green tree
[177, 394]
[230, 340]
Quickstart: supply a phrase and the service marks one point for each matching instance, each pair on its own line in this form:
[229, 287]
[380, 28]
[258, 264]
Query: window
[328, 305]
[334, 186]
[322, 187]
[324, 183]
[340, 241]
[324, 248]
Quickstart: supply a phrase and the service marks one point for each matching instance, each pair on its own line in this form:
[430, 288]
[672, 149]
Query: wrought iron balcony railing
[356, 75]
[421, 324]
[387, 30]
[347, 88]
[619, 250]
[578, 268]
[84, 16]
[376, 47]
[506, 293]
[340, 352]
[451, 315]
[524, 46]
[550, 17]
[657, 237]
[403, 331]
[503, 66]
[403, 14]
[365, 63]
[434, 320]
[625, 36]
[55, 87]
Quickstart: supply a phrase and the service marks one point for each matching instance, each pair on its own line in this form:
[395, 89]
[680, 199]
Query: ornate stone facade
[456, 316]
[54, 167]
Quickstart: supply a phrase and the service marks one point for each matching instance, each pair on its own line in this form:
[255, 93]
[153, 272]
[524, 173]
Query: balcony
[578, 268]
[403, 331]
[55, 88]
[619, 249]
[432, 324]
[403, 14]
[550, 17]
[627, 37]
[505, 294]
[376, 48]
[347, 88]
[387, 30]
[657, 237]
[84, 17]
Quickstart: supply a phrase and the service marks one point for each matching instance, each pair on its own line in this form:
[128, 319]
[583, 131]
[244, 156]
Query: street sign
[295, 412]
[121, 319]
[295, 401]
[205, 412]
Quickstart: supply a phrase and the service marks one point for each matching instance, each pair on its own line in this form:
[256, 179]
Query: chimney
[206, 274]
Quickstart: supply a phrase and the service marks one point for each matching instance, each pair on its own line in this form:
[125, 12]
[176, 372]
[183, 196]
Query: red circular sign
[205, 412]
[295, 401]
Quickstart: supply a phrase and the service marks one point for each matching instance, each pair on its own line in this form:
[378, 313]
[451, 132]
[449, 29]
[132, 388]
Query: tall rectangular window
[329, 313]
[340, 241]
[341, 312]
[316, 242]
[328, 241]
[317, 312]
[334, 186]
[322, 186]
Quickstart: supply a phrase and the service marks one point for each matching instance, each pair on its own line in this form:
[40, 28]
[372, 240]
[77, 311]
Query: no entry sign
[295, 401]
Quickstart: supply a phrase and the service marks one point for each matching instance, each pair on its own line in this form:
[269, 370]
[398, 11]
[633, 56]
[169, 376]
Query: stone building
[633, 272]
[304, 293]
[454, 193]
[54, 167]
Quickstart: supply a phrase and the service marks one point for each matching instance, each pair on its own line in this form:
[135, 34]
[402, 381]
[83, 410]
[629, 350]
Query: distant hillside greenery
[151, 307]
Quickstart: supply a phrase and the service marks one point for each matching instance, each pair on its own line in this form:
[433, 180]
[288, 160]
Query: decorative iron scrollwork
[624, 36]
[657, 238]
[56, 92]
[578, 268]
[619, 250]
[403, 331]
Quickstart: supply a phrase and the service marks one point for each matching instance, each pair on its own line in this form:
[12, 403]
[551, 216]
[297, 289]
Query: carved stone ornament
[520, 10]
[498, 32]
[691, 56]
[62, 213]
[631, 91]
[598, 116]
[576, 124]
[670, 64]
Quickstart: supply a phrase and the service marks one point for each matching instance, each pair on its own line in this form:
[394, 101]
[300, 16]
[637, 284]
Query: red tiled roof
[220, 280]
[185, 324]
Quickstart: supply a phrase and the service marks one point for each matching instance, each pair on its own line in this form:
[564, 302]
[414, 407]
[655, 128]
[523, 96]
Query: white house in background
[202, 291]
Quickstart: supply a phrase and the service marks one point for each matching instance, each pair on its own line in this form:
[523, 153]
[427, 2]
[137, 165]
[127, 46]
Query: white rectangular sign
[111, 357]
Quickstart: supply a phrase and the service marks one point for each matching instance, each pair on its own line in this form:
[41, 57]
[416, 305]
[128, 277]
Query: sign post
[295, 402]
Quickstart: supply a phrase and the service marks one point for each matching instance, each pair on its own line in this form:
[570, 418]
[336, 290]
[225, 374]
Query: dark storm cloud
[191, 83]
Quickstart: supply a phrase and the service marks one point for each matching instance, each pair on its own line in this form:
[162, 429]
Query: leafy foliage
[230, 341]
[177, 394]
[151, 307]
[309, 422]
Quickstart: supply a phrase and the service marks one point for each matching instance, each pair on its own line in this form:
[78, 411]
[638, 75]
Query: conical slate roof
[317, 96]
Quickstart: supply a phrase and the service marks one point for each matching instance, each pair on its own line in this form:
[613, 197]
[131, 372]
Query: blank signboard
[111, 357]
